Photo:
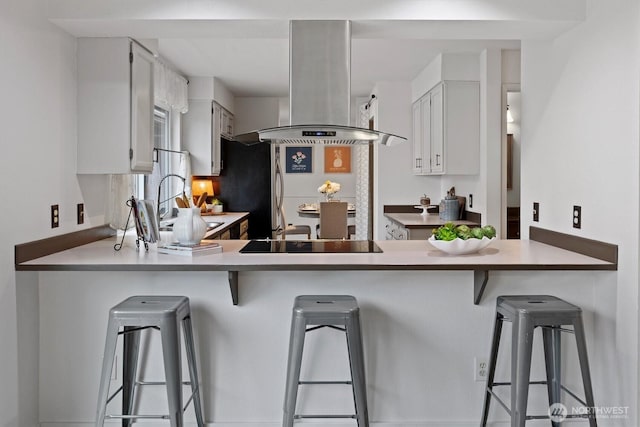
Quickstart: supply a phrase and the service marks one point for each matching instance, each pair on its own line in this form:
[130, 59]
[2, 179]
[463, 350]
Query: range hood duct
[320, 90]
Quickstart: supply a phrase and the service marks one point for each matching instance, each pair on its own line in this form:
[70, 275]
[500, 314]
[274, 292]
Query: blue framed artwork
[298, 160]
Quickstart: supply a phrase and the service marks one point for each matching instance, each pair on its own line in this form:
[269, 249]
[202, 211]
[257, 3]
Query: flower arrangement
[329, 188]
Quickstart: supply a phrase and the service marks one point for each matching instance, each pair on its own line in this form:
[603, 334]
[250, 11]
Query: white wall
[395, 183]
[38, 116]
[254, 113]
[421, 333]
[445, 66]
[485, 186]
[580, 146]
[206, 88]
[511, 68]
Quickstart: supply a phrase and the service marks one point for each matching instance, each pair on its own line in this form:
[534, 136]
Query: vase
[328, 197]
[189, 228]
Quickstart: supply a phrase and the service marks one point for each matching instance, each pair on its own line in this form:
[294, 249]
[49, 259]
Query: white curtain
[170, 88]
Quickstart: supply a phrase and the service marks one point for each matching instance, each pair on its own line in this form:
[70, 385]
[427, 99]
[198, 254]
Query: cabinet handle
[437, 159]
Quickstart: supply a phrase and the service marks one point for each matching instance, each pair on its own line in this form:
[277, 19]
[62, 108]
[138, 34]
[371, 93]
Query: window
[166, 162]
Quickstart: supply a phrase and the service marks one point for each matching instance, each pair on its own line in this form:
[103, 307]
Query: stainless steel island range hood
[320, 90]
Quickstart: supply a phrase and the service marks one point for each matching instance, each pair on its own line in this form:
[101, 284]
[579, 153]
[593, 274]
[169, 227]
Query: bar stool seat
[527, 312]
[129, 318]
[312, 312]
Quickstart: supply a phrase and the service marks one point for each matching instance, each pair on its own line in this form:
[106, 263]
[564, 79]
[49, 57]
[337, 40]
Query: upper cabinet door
[201, 136]
[447, 138]
[417, 138]
[216, 120]
[226, 123]
[437, 130]
[141, 109]
[197, 133]
[115, 106]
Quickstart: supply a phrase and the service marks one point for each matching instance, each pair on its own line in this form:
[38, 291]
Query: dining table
[312, 210]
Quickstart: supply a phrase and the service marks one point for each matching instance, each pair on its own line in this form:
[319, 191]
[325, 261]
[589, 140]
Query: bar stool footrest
[133, 417]
[298, 417]
[562, 387]
[346, 382]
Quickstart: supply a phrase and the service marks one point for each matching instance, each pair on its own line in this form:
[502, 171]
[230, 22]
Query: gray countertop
[402, 255]
[396, 255]
[416, 220]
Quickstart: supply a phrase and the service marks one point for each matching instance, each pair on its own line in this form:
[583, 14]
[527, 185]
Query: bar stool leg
[172, 369]
[581, 343]
[521, 347]
[193, 369]
[107, 366]
[296, 346]
[493, 359]
[356, 363]
[552, 349]
[130, 348]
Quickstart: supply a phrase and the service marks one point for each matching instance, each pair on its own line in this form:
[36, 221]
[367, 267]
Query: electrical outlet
[80, 211]
[536, 211]
[481, 369]
[577, 216]
[55, 216]
[470, 201]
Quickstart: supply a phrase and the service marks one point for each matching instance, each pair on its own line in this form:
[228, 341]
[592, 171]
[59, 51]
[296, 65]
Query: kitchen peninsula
[407, 296]
[545, 251]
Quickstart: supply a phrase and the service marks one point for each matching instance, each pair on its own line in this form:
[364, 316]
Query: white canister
[189, 228]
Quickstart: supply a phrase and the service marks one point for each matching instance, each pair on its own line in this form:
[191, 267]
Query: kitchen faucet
[184, 182]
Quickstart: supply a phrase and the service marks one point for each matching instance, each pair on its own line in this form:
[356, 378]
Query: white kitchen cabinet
[115, 106]
[417, 137]
[447, 138]
[226, 123]
[201, 136]
[436, 119]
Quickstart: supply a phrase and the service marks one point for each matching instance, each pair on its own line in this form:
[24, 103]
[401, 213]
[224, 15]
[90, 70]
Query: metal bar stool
[312, 312]
[526, 312]
[164, 313]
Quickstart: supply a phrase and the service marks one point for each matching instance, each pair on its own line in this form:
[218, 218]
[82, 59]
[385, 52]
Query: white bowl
[459, 246]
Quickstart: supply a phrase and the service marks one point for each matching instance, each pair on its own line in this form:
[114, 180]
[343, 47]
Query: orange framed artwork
[337, 159]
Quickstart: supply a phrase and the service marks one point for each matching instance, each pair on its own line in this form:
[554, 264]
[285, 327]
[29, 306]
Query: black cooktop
[310, 246]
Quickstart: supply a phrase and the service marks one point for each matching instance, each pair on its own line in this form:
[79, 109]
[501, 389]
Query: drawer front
[244, 227]
[226, 235]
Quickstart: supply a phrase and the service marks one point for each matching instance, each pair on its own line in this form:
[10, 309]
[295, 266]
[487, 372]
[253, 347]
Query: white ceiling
[259, 67]
[245, 43]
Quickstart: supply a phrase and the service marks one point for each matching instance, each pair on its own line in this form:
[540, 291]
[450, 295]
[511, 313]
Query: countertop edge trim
[307, 267]
[24, 252]
[594, 248]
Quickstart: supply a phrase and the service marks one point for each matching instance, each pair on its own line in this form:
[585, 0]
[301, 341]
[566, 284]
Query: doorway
[511, 161]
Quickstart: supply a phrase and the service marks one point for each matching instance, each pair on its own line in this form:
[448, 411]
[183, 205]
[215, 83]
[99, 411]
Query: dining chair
[292, 229]
[333, 220]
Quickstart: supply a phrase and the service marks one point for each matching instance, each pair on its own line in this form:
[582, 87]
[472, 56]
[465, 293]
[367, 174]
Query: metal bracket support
[233, 286]
[480, 278]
